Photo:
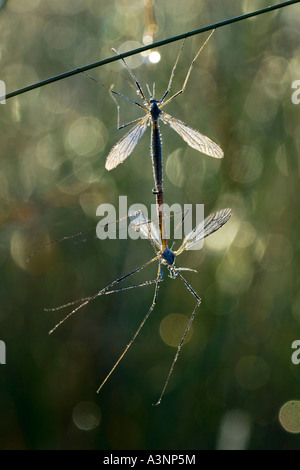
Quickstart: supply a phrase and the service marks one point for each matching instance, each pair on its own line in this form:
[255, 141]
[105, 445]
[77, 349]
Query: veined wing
[126, 145]
[194, 138]
[145, 227]
[211, 224]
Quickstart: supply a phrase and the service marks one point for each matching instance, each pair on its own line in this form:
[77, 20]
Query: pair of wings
[211, 224]
[194, 139]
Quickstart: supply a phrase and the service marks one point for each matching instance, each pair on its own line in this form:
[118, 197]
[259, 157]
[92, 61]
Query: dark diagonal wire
[145, 48]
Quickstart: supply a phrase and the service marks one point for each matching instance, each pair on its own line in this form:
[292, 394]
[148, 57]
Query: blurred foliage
[235, 373]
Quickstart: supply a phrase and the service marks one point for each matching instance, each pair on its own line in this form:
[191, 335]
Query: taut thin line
[220, 24]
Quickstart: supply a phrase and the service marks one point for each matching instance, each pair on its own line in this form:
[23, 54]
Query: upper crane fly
[125, 146]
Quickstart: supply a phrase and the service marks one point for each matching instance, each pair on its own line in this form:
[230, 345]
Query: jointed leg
[112, 92]
[86, 300]
[172, 74]
[140, 91]
[189, 72]
[183, 337]
[158, 279]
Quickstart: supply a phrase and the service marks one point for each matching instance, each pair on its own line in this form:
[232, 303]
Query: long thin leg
[86, 300]
[183, 216]
[140, 91]
[124, 78]
[158, 279]
[129, 99]
[122, 96]
[68, 237]
[118, 109]
[189, 71]
[172, 74]
[184, 335]
[133, 286]
[128, 123]
[115, 92]
[59, 240]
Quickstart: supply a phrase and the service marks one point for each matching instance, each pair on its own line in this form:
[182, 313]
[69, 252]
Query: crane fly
[194, 138]
[153, 108]
[165, 257]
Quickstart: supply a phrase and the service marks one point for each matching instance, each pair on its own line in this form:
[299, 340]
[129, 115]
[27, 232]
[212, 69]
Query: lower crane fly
[165, 257]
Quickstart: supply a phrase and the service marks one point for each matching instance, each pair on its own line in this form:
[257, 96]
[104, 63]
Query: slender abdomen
[156, 153]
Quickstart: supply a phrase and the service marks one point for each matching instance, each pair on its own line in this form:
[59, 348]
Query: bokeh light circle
[289, 416]
[86, 415]
[172, 328]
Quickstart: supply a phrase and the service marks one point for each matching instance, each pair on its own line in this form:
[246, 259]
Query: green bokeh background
[235, 374]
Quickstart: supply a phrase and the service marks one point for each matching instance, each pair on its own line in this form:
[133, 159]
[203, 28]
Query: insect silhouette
[153, 109]
[163, 254]
[165, 257]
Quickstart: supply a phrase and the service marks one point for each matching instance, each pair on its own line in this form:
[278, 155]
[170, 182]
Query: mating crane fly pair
[163, 254]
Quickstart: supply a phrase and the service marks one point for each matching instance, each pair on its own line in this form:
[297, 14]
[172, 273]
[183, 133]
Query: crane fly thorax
[154, 110]
[168, 256]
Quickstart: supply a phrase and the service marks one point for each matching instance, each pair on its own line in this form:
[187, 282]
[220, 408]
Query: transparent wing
[126, 145]
[145, 227]
[194, 138]
[210, 225]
